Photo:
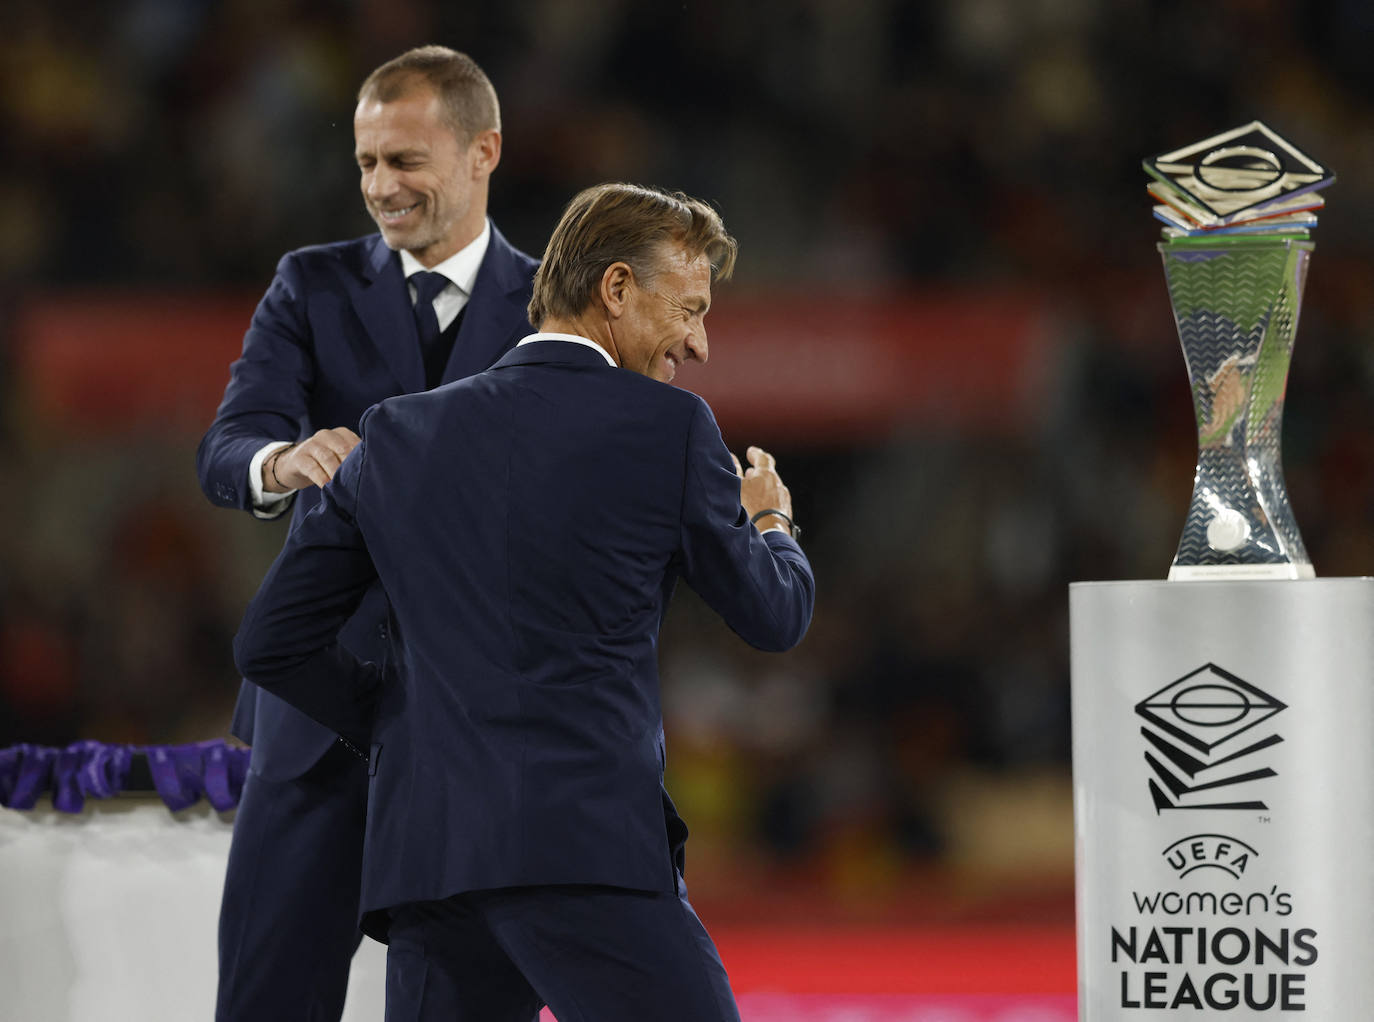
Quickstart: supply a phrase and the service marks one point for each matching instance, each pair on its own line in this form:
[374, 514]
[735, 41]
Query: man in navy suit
[528, 525]
[436, 296]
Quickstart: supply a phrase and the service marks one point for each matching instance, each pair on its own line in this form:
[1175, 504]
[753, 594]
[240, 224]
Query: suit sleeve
[761, 584]
[268, 391]
[288, 641]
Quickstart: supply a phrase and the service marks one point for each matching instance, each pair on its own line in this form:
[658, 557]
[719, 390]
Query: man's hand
[311, 462]
[761, 487]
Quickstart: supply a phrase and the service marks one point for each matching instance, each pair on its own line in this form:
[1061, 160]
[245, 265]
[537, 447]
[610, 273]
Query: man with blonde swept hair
[436, 295]
[528, 525]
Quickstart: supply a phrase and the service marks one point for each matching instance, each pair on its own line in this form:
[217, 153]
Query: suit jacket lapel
[383, 305]
[499, 298]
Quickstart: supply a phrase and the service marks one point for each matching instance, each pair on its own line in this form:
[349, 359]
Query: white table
[112, 913]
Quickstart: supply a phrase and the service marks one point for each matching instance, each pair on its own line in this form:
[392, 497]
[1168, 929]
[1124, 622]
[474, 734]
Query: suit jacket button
[381, 631]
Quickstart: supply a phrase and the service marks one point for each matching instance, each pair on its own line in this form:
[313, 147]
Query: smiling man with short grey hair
[438, 295]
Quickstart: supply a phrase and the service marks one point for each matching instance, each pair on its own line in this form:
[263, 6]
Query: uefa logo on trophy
[1238, 210]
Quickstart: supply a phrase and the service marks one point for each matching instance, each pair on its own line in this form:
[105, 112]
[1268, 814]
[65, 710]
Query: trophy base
[1238, 572]
[1218, 718]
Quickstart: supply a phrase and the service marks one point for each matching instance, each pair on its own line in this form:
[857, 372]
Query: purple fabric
[225, 768]
[88, 769]
[181, 773]
[28, 775]
[177, 773]
[105, 769]
[67, 796]
[9, 772]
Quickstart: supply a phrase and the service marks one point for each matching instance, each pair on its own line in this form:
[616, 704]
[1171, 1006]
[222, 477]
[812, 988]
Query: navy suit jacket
[334, 335]
[528, 525]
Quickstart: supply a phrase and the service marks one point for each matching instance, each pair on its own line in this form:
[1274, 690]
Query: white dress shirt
[461, 270]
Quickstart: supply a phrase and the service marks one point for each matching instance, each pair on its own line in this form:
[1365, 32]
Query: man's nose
[381, 182]
[697, 347]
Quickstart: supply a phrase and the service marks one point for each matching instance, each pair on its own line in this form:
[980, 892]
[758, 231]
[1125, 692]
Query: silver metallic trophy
[1210, 718]
[1238, 208]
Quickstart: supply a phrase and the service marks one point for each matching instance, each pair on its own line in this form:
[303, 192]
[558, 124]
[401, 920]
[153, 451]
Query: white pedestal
[1224, 799]
[112, 914]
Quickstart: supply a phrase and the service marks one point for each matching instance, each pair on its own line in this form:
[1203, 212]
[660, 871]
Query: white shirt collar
[461, 267]
[575, 339]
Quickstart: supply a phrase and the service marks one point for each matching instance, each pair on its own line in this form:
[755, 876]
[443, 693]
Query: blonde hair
[622, 223]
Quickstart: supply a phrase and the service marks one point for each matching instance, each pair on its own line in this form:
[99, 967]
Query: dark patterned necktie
[427, 288]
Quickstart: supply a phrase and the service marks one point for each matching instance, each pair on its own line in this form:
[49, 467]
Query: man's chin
[398, 239]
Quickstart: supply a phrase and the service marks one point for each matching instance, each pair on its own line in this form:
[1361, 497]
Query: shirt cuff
[264, 504]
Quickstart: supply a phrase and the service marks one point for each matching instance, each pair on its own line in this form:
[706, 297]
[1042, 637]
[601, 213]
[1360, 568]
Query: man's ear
[616, 284]
[486, 152]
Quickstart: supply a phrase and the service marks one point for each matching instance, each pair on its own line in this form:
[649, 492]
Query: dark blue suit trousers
[498, 956]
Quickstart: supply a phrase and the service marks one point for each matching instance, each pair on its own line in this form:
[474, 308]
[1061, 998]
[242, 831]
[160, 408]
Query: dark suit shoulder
[411, 411]
[680, 401]
[562, 355]
[613, 388]
[352, 255]
[525, 263]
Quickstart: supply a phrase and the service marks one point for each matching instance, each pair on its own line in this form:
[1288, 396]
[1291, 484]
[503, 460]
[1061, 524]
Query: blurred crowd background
[911, 758]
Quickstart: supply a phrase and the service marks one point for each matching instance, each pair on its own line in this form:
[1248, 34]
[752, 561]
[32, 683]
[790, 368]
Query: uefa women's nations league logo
[1249, 169]
[1192, 726]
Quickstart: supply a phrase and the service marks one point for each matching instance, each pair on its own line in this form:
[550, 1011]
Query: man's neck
[471, 229]
[461, 267]
[580, 327]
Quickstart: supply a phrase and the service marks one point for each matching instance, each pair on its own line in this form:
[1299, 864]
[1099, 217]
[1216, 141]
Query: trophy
[1208, 718]
[1238, 209]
